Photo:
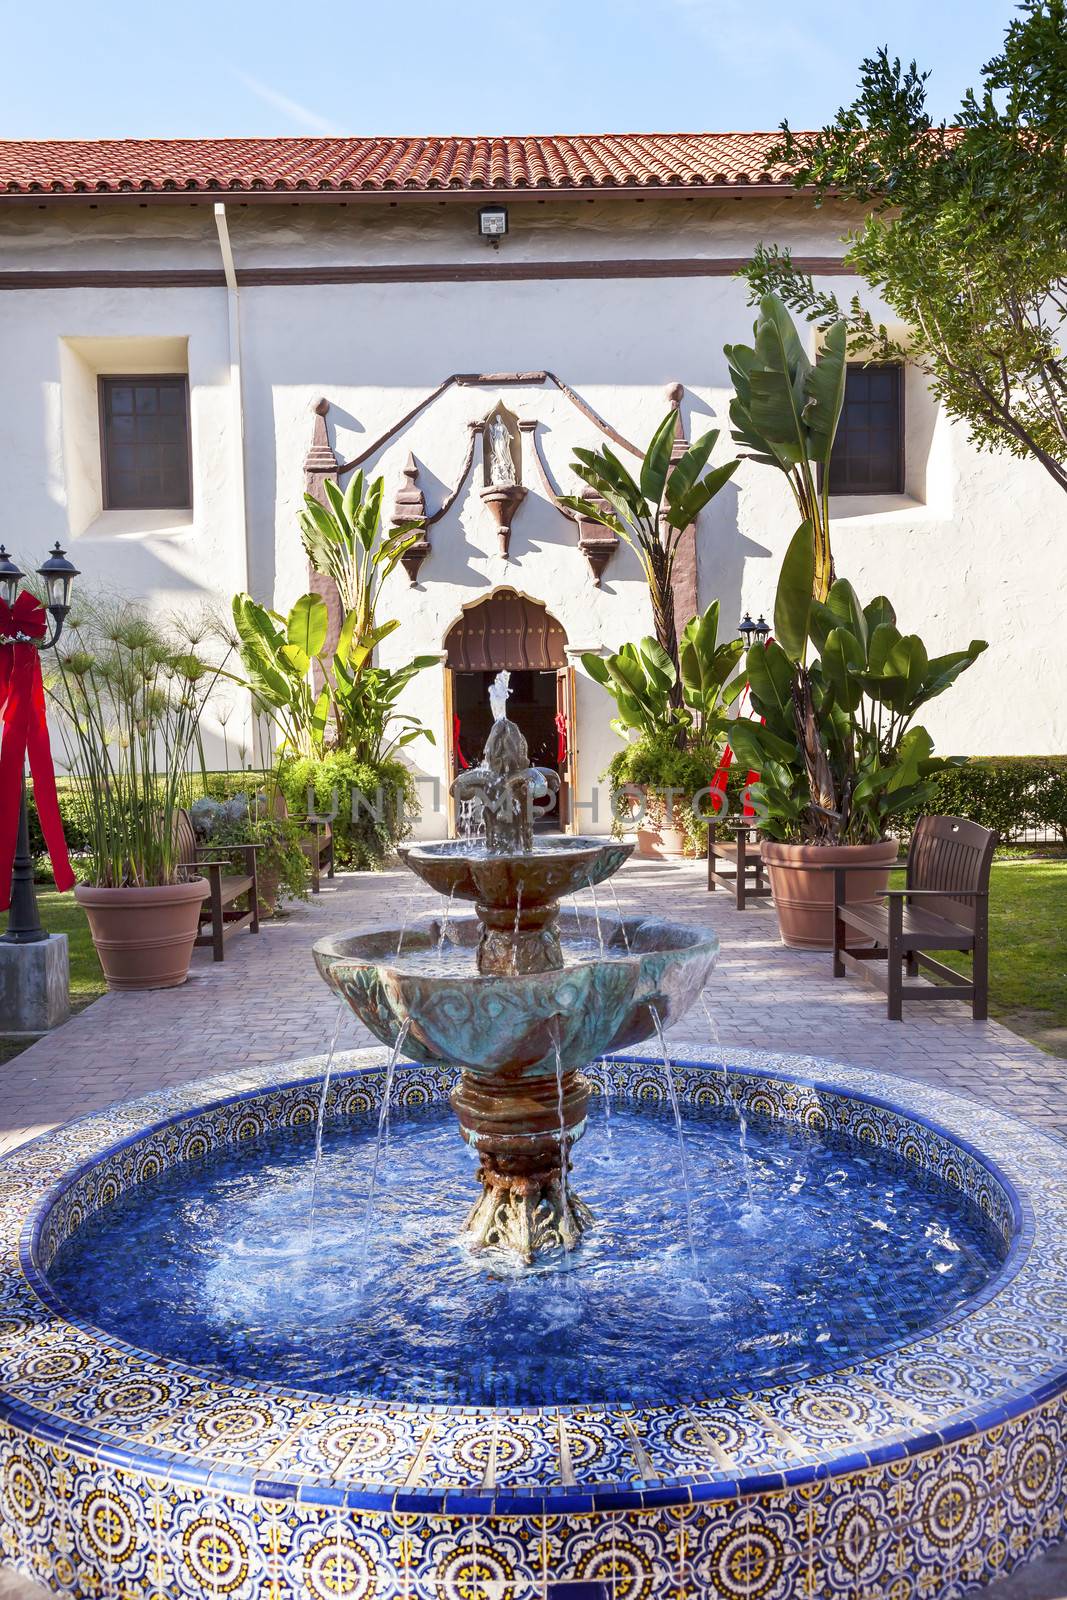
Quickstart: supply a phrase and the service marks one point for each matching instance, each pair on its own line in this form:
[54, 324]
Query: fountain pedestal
[523, 1132]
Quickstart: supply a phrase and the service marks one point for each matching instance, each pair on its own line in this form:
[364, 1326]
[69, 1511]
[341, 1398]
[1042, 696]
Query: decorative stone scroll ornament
[596, 542]
[502, 489]
[410, 506]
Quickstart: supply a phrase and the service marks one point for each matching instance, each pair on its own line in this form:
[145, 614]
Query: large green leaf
[792, 603]
[687, 469]
[778, 382]
[825, 391]
[842, 658]
[770, 678]
[307, 623]
[681, 512]
[844, 602]
[657, 461]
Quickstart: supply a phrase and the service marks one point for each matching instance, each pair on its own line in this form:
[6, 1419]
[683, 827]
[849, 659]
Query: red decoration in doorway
[461, 759]
[561, 738]
[25, 733]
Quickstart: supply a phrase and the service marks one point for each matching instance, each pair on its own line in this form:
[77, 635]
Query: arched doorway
[507, 631]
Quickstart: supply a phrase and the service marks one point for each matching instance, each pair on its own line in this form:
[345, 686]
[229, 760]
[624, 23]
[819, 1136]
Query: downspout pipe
[238, 474]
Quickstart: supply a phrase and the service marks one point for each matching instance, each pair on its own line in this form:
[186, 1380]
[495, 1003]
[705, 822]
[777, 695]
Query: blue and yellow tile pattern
[919, 1472]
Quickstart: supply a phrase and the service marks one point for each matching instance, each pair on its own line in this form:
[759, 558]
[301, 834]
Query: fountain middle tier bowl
[616, 985]
[558, 865]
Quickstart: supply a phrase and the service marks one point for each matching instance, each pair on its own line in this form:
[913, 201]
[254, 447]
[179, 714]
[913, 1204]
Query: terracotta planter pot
[659, 844]
[656, 842]
[804, 896]
[144, 937]
[267, 885]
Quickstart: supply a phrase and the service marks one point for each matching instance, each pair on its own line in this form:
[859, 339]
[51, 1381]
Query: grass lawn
[1027, 949]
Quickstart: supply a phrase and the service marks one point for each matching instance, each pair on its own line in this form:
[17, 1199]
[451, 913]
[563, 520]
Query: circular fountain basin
[919, 1460]
[559, 864]
[610, 993]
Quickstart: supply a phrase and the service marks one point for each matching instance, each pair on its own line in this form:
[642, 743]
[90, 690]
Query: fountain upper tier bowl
[559, 864]
[517, 891]
[650, 971]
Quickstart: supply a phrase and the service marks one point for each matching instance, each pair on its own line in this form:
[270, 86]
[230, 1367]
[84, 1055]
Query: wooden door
[450, 763]
[567, 725]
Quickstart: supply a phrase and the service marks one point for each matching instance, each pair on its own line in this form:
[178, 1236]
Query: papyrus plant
[127, 696]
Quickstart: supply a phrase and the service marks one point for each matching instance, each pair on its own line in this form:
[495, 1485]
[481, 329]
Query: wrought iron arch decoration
[597, 543]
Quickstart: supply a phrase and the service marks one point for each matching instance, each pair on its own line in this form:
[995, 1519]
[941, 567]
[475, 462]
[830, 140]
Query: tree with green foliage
[965, 237]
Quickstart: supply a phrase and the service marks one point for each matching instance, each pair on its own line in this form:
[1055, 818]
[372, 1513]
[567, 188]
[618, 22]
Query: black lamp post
[58, 575]
[746, 628]
[762, 630]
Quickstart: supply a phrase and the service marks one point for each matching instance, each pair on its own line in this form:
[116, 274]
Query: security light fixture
[493, 224]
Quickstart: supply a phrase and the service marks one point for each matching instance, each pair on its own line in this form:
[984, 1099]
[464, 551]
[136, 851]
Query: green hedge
[1013, 794]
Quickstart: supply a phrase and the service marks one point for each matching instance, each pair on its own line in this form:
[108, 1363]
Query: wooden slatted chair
[743, 872]
[220, 914]
[944, 906]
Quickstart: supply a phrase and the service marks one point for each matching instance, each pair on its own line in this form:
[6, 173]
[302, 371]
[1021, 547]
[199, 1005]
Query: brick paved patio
[266, 1002]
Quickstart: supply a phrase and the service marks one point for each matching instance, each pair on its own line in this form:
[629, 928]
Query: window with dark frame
[144, 443]
[868, 453]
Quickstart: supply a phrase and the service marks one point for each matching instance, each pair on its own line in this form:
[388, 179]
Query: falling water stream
[383, 1123]
[618, 911]
[683, 1164]
[445, 921]
[734, 1100]
[596, 914]
[320, 1118]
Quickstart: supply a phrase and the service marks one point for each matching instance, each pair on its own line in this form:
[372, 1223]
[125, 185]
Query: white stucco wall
[976, 549]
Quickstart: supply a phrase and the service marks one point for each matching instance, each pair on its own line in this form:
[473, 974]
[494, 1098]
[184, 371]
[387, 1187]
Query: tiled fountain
[775, 1327]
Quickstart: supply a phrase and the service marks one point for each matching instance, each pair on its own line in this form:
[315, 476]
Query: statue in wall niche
[502, 491]
[501, 468]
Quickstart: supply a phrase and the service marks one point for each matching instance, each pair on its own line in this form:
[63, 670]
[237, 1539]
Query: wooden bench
[944, 906]
[220, 915]
[744, 874]
[316, 845]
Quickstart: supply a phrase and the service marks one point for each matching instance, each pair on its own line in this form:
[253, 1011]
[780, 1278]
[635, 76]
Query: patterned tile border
[921, 1470]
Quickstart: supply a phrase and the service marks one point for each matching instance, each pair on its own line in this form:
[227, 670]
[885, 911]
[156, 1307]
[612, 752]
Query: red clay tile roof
[382, 166]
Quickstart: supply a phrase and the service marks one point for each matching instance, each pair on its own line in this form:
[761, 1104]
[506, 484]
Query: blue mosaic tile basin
[919, 1464]
[810, 1250]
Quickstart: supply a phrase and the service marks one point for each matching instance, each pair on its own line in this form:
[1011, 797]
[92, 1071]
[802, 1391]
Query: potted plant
[671, 748]
[335, 707]
[838, 749]
[128, 696]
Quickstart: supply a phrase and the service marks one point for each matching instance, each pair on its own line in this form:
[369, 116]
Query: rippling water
[829, 1250]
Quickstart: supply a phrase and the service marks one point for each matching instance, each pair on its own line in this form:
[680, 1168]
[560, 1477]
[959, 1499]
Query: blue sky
[112, 69]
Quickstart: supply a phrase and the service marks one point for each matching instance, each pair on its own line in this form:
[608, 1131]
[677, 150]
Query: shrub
[364, 831]
[1013, 794]
[657, 765]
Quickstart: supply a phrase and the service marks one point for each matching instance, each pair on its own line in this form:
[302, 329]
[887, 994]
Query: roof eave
[338, 196]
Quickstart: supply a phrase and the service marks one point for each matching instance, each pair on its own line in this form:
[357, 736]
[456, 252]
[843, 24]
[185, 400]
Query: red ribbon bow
[25, 733]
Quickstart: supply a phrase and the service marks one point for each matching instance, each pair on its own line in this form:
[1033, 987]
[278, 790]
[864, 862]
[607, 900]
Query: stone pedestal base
[527, 1217]
[34, 985]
